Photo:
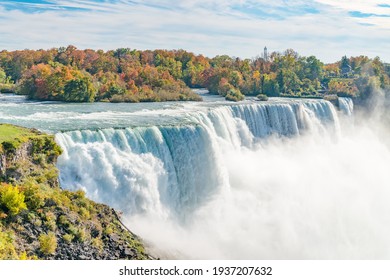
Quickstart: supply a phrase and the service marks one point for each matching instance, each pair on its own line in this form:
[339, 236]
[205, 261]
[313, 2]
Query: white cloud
[374, 12]
[208, 27]
[363, 6]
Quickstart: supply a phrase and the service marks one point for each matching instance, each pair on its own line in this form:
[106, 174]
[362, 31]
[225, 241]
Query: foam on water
[254, 180]
[274, 180]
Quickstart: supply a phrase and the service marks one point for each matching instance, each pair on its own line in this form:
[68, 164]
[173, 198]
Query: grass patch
[10, 133]
[12, 137]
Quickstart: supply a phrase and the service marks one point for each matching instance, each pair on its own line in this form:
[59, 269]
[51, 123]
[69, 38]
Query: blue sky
[328, 29]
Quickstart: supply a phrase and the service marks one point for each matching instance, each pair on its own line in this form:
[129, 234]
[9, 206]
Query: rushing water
[346, 105]
[278, 179]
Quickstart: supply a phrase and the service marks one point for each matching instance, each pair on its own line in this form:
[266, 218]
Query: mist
[308, 197]
[277, 180]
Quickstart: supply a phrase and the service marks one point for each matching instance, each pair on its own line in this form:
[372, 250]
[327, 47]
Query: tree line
[127, 75]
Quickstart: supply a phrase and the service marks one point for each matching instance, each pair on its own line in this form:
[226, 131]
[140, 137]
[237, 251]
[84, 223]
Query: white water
[171, 171]
[247, 181]
[346, 105]
[259, 180]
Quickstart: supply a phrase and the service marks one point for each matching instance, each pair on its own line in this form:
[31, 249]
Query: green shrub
[81, 235]
[72, 229]
[63, 220]
[45, 149]
[84, 213]
[68, 238]
[79, 194]
[234, 95]
[37, 222]
[117, 98]
[7, 88]
[12, 199]
[33, 197]
[7, 249]
[108, 230]
[51, 225]
[48, 243]
[262, 97]
[97, 243]
[9, 147]
[24, 256]
[31, 217]
[50, 216]
[61, 198]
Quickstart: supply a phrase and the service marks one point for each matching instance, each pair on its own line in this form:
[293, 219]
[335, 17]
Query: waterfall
[141, 170]
[170, 171]
[346, 105]
[282, 179]
[250, 180]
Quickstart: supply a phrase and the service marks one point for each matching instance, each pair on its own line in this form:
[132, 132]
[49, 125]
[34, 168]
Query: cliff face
[40, 220]
[15, 162]
[3, 163]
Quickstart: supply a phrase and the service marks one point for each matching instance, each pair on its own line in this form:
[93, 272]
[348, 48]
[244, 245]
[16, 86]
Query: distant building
[346, 71]
[345, 67]
[265, 54]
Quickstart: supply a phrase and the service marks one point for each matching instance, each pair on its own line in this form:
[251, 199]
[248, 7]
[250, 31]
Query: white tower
[265, 54]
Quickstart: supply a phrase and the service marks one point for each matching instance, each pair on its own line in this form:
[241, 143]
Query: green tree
[236, 79]
[313, 68]
[288, 81]
[79, 90]
[3, 77]
[270, 86]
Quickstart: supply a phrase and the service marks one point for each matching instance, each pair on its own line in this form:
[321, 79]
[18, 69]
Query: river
[282, 179]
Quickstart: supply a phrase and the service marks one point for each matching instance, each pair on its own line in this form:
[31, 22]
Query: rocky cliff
[39, 220]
